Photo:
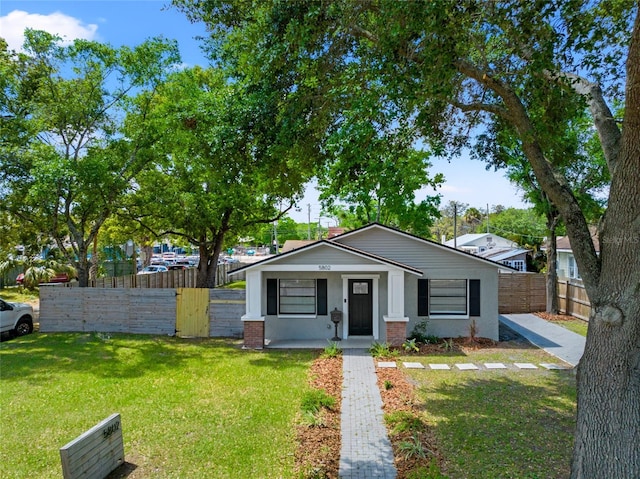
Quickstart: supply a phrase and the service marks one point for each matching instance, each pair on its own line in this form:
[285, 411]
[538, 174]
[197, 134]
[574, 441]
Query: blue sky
[130, 22]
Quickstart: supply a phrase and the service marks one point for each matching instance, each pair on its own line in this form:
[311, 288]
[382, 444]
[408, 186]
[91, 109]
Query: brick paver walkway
[366, 450]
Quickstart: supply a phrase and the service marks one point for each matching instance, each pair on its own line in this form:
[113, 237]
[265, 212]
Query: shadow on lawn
[505, 426]
[103, 354]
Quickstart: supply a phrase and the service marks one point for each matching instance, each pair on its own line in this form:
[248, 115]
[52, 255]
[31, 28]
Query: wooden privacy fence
[521, 293]
[573, 299]
[181, 278]
[140, 311]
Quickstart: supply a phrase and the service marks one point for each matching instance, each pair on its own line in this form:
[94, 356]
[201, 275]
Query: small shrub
[387, 385]
[419, 332]
[313, 419]
[332, 351]
[410, 346]
[382, 350]
[431, 339]
[316, 399]
[413, 448]
[447, 344]
[473, 331]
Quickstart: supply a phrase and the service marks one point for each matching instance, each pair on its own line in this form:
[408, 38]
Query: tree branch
[603, 118]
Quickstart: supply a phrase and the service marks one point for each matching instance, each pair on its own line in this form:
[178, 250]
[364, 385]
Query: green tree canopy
[66, 161]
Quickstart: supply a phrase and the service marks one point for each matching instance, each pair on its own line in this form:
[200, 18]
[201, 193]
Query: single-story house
[380, 281]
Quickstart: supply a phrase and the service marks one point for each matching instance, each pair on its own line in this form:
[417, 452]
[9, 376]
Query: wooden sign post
[95, 453]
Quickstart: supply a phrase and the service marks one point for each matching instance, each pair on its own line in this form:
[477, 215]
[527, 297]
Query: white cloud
[12, 27]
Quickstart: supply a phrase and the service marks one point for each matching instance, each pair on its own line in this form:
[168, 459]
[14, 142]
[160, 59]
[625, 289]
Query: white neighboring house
[566, 266]
[493, 247]
[381, 281]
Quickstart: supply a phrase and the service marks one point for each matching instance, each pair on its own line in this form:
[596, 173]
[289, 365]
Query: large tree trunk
[607, 442]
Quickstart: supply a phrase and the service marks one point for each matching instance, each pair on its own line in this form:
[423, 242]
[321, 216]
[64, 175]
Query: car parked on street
[16, 318]
[153, 269]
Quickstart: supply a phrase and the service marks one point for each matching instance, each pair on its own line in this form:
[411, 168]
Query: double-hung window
[449, 297]
[296, 297]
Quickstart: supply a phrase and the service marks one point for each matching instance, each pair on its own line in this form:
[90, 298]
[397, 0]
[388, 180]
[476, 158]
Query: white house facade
[379, 281]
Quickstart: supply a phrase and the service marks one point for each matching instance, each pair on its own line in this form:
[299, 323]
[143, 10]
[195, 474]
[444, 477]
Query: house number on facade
[324, 267]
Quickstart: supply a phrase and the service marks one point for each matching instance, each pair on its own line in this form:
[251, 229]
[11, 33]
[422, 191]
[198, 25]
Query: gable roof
[422, 240]
[331, 244]
[468, 238]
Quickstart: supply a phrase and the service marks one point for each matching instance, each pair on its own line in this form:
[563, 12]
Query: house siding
[436, 263]
[410, 251]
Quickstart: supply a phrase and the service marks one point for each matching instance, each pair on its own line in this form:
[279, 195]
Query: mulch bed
[398, 396]
[318, 451]
[556, 317]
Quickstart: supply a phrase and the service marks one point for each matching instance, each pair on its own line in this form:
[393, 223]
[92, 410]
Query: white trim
[375, 299]
[246, 317]
[388, 319]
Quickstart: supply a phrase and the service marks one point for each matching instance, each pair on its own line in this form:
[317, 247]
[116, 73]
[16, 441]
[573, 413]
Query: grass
[499, 424]
[190, 408]
[236, 285]
[17, 294]
[576, 325]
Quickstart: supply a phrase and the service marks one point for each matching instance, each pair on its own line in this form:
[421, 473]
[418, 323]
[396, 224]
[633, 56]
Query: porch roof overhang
[278, 263]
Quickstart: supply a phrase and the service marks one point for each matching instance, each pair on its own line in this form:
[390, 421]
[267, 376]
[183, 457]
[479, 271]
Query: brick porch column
[253, 333]
[396, 331]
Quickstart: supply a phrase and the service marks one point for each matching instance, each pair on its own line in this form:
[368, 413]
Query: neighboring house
[516, 258]
[566, 265]
[478, 243]
[493, 247]
[383, 281]
[290, 245]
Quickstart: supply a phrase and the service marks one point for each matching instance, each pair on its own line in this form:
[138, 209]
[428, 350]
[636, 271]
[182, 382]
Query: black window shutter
[474, 297]
[321, 296]
[423, 297]
[272, 296]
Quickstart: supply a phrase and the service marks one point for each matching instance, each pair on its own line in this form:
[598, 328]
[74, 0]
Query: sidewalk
[366, 451]
[556, 340]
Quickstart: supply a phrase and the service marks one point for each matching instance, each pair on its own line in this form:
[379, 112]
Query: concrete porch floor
[354, 342]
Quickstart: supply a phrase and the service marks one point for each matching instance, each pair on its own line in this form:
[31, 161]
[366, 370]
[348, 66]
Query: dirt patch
[318, 450]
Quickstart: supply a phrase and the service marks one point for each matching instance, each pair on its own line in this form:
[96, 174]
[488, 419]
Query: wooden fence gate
[192, 312]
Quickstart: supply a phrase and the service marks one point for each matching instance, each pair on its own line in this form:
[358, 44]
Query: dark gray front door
[360, 307]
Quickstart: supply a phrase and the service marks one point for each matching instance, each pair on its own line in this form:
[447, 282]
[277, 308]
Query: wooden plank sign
[95, 453]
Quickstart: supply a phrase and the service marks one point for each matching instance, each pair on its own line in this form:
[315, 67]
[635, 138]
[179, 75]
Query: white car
[154, 269]
[16, 318]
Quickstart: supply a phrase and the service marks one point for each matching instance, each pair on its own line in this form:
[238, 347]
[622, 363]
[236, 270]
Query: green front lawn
[515, 424]
[189, 408]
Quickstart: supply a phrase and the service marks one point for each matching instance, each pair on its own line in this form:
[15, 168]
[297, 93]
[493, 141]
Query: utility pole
[309, 221]
[487, 217]
[455, 225]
